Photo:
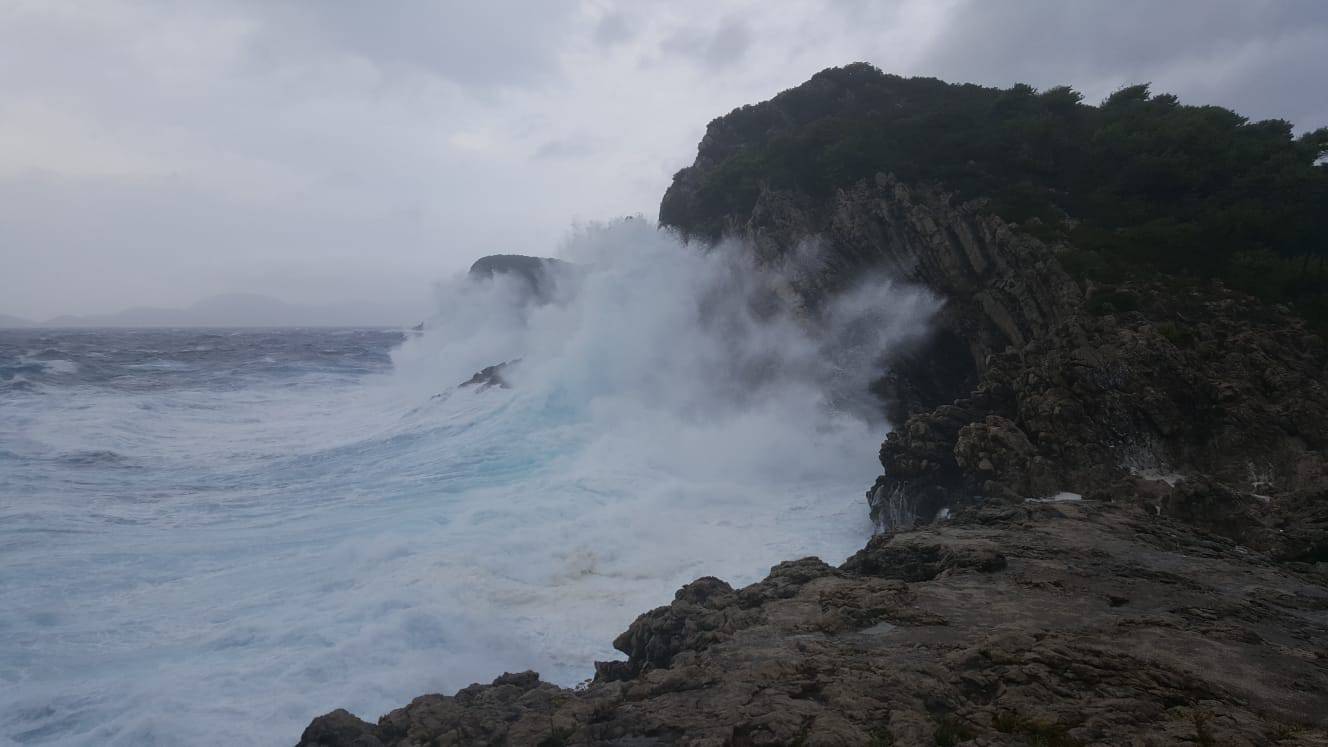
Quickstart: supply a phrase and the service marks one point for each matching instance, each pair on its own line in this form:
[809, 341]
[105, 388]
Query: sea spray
[290, 525]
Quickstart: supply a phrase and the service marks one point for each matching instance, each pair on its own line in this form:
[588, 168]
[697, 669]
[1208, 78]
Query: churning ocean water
[210, 536]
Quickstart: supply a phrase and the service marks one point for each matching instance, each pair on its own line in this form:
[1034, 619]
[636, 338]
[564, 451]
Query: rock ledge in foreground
[1043, 623]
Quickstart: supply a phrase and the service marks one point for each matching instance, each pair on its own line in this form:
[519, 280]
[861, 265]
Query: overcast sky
[159, 152]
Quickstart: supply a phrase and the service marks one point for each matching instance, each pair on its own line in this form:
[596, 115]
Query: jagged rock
[885, 557]
[1088, 383]
[1300, 524]
[999, 454]
[491, 376]
[339, 728]
[1206, 503]
[1053, 394]
[1195, 380]
[1002, 289]
[1092, 624]
[705, 612]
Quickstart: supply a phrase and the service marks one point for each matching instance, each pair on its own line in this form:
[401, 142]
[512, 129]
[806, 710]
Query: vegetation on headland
[1138, 183]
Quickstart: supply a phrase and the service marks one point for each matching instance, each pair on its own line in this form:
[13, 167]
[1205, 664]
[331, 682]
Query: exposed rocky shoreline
[1066, 623]
[1104, 515]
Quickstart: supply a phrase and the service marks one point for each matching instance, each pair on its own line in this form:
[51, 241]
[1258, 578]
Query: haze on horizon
[155, 154]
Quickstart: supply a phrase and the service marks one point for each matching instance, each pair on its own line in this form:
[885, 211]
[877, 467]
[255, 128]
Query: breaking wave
[321, 519]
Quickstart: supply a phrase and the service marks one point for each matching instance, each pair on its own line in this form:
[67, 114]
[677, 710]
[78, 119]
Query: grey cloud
[612, 29]
[861, 12]
[496, 42]
[155, 153]
[570, 147]
[728, 45]
[1259, 55]
[723, 46]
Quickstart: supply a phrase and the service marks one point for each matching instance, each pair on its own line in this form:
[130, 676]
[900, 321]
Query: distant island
[232, 310]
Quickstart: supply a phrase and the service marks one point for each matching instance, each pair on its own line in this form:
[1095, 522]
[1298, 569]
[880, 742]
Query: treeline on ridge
[1138, 183]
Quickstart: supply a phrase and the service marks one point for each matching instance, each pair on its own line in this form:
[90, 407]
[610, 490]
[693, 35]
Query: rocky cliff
[1104, 510]
[1155, 387]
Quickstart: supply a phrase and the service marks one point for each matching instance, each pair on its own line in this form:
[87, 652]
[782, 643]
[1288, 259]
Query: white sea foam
[253, 557]
[49, 365]
[1060, 497]
[61, 366]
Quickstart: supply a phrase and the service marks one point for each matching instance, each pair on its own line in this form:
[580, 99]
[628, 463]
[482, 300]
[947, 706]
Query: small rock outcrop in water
[491, 376]
[538, 276]
[541, 280]
[1106, 502]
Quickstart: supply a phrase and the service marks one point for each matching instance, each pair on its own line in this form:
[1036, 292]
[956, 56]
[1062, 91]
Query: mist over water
[210, 537]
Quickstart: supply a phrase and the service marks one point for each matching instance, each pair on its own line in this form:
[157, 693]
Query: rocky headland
[1104, 508]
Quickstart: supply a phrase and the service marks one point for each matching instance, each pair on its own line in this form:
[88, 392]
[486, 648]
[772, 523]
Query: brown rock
[1073, 633]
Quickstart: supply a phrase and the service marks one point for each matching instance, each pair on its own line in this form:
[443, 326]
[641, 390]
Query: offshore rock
[540, 278]
[491, 376]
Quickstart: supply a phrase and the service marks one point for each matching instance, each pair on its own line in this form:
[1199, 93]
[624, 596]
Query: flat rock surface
[1065, 623]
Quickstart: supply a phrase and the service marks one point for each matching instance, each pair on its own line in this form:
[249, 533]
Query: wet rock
[704, 612]
[1074, 623]
[886, 557]
[1206, 503]
[339, 728]
[999, 455]
[491, 376]
[1034, 383]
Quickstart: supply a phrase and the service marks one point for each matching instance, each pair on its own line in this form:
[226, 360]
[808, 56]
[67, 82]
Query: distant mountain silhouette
[14, 321]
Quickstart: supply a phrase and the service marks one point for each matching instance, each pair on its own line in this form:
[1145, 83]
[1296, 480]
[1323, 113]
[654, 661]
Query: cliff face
[1035, 383]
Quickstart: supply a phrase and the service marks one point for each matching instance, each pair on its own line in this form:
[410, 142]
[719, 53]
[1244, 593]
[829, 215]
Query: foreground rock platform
[1038, 623]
